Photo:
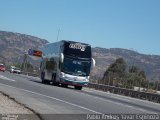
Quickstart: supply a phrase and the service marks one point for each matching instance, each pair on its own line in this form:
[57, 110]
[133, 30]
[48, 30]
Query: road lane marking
[135, 108]
[5, 78]
[75, 105]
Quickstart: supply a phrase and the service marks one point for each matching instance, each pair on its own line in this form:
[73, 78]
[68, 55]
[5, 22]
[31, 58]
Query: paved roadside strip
[11, 109]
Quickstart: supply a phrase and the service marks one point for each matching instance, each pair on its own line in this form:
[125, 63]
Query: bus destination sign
[77, 46]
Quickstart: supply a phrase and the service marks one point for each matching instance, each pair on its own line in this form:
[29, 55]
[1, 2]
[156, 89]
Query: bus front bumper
[73, 82]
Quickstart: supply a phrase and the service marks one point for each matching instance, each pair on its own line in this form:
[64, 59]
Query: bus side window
[51, 65]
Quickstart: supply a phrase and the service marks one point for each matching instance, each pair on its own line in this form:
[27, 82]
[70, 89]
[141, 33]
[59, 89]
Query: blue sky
[130, 24]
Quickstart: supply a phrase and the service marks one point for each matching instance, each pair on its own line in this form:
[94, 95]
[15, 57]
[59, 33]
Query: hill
[13, 45]
[104, 57]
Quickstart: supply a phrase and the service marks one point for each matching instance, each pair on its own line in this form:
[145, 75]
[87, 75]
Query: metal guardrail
[30, 74]
[126, 92]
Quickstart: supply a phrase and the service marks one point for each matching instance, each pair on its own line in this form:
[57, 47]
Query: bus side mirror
[93, 63]
[61, 57]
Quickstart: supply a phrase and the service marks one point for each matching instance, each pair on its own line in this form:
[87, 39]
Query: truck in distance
[66, 63]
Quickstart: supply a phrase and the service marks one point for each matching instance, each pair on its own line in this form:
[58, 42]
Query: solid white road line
[5, 78]
[54, 99]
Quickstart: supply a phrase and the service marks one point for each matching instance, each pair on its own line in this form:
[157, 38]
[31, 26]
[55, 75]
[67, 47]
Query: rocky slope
[13, 45]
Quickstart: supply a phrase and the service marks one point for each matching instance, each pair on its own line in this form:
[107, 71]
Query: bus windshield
[76, 67]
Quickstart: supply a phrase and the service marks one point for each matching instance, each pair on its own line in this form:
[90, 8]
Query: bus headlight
[88, 77]
[62, 75]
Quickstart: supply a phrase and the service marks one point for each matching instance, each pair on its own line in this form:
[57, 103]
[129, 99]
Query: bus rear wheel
[54, 80]
[43, 78]
[78, 87]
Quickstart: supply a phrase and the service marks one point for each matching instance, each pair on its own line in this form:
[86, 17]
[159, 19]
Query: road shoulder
[10, 108]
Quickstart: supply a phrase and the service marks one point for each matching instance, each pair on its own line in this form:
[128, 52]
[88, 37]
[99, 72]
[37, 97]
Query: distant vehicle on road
[66, 63]
[2, 68]
[15, 70]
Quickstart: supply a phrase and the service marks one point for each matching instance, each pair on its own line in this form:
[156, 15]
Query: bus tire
[64, 85]
[78, 87]
[54, 80]
[42, 77]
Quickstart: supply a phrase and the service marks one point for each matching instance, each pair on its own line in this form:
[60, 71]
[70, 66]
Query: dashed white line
[143, 110]
[5, 78]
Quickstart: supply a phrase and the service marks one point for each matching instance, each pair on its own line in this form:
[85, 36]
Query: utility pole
[58, 34]
[157, 85]
[147, 85]
[26, 64]
[24, 61]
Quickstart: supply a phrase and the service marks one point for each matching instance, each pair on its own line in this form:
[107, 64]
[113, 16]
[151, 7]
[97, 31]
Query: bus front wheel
[78, 87]
[64, 85]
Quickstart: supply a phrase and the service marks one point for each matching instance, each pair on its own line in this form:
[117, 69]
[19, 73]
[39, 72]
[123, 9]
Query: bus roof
[68, 41]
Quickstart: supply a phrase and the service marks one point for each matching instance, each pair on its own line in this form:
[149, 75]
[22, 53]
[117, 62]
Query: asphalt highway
[51, 101]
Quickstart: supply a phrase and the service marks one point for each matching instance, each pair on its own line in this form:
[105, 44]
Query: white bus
[66, 63]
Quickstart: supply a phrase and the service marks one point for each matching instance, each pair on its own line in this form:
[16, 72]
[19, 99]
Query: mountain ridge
[149, 63]
[13, 45]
